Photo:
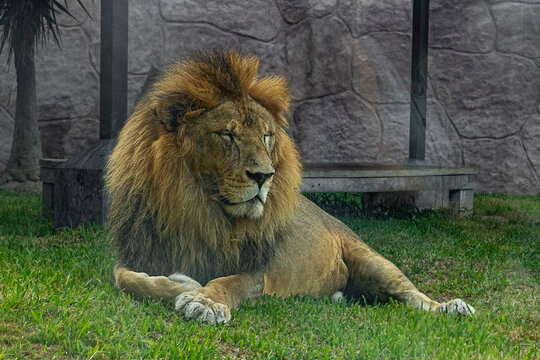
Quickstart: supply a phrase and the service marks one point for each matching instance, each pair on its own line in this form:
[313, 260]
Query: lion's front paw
[456, 307]
[195, 305]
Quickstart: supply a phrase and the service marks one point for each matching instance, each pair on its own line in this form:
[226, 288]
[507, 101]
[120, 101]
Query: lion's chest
[247, 255]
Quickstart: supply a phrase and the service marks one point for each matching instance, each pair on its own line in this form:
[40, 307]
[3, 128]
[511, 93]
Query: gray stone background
[349, 68]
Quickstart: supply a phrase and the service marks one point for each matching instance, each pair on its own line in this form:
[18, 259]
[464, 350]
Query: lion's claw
[456, 307]
[198, 307]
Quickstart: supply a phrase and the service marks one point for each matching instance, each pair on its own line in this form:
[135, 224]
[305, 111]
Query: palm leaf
[37, 18]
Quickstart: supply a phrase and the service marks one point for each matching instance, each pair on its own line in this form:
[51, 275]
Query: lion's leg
[155, 287]
[214, 302]
[371, 273]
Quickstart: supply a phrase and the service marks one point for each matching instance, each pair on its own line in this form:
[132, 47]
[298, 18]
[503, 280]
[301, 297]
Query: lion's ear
[171, 109]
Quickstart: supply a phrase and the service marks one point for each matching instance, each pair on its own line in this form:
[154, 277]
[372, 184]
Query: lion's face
[235, 142]
[210, 133]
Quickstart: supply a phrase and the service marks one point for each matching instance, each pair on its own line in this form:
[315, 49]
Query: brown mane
[161, 218]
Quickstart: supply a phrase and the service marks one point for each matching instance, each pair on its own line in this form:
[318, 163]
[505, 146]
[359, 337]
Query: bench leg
[461, 201]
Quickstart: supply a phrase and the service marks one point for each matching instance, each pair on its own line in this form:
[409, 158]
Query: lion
[205, 203]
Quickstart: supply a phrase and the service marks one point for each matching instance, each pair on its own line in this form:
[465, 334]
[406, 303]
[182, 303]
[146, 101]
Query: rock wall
[349, 67]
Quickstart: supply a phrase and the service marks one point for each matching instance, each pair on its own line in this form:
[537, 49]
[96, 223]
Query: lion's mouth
[254, 199]
[252, 208]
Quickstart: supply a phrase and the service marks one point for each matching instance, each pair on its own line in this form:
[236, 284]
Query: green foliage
[338, 204]
[37, 18]
[58, 300]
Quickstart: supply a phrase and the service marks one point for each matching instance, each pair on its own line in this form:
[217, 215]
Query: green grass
[57, 298]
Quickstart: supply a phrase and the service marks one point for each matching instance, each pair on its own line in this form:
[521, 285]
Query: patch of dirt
[519, 335]
[9, 331]
[231, 350]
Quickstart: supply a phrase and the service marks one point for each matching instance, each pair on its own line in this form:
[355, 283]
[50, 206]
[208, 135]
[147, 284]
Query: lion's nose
[259, 177]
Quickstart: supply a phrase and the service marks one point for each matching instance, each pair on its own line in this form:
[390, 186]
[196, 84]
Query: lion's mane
[161, 218]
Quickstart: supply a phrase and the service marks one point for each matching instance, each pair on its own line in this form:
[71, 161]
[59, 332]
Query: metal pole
[417, 135]
[113, 67]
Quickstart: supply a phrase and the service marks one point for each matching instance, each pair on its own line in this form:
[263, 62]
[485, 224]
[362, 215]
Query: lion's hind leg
[372, 274]
[155, 287]
[418, 300]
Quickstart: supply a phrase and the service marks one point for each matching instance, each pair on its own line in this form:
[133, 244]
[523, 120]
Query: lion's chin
[252, 209]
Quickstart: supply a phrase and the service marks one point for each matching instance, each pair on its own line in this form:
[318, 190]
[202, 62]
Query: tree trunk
[22, 170]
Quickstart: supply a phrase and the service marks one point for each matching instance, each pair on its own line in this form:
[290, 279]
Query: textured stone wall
[349, 67]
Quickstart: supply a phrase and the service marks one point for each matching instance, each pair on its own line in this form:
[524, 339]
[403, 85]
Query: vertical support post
[461, 201]
[113, 67]
[417, 134]
[79, 189]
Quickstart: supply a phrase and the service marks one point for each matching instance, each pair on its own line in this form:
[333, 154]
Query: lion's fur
[153, 180]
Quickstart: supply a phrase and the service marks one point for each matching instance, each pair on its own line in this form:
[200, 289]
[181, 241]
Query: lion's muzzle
[248, 197]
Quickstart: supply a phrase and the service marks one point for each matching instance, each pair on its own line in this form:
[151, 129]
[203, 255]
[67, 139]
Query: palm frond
[37, 18]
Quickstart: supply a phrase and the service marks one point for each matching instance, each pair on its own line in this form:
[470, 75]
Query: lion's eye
[227, 136]
[266, 140]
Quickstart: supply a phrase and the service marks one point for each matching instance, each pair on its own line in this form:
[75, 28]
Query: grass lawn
[57, 298]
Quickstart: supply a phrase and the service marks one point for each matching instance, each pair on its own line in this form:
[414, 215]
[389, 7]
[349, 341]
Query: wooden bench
[427, 187]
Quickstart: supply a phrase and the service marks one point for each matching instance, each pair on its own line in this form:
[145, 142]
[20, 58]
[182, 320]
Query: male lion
[204, 185]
